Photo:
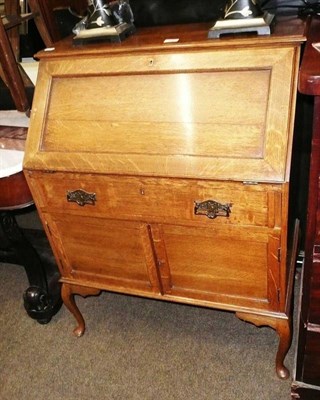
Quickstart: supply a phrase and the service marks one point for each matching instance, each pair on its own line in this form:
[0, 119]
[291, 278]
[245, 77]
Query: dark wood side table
[306, 384]
[26, 247]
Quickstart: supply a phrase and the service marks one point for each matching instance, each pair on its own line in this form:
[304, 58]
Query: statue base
[115, 33]
[259, 25]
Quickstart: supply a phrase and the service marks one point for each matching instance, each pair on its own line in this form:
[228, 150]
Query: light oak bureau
[162, 170]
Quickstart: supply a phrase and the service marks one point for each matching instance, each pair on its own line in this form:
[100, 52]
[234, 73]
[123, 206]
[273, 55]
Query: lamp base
[260, 25]
[115, 33]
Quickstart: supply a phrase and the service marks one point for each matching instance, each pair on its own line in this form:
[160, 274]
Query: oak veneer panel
[122, 252]
[213, 261]
[210, 115]
[190, 262]
[179, 121]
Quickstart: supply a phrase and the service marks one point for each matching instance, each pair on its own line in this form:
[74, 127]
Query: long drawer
[159, 199]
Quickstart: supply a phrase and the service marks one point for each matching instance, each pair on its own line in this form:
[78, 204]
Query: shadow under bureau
[162, 169]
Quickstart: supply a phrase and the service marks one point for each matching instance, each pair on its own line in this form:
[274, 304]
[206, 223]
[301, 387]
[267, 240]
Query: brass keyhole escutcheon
[81, 197]
[212, 209]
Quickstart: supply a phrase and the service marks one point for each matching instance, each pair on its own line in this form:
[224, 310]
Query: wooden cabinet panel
[217, 264]
[177, 122]
[121, 251]
[223, 265]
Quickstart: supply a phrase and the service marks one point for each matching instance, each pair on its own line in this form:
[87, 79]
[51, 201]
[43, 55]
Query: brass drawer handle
[81, 197]
[212, 209]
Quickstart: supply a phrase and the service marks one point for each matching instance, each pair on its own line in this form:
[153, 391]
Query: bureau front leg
[283, 328]
[67, 293]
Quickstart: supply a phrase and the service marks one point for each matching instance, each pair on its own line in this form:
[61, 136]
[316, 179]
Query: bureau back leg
[67, 293]
[284, 330]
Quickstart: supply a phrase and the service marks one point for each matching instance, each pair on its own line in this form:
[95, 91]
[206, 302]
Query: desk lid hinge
[250, 182]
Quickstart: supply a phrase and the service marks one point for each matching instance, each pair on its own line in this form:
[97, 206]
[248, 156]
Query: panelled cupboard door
[234, 266]
[227, 265]
[113, 254]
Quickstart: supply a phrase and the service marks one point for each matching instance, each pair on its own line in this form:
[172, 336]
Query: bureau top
[286, 30]
[199, 108]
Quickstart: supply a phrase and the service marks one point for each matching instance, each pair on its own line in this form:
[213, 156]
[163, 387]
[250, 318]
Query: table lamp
[242, 16]
[105, 22]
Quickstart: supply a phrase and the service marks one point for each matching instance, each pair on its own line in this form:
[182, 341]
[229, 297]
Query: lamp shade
[100, 15]
[239, 9]
[242, 16]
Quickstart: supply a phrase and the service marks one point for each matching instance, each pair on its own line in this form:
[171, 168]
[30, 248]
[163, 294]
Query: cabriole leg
[285, 336]
[283, 328]
[67, 292]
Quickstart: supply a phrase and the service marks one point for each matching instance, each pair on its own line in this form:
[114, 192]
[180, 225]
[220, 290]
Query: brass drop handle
[212, 209]
[81, 197]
